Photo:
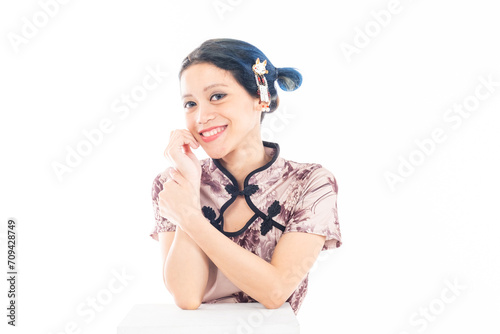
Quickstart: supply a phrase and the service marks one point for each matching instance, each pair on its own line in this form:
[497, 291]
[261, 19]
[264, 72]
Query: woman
[245, 225]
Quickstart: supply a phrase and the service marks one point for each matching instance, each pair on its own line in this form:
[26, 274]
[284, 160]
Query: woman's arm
[185, 265]
[269, 283]
[185, 268]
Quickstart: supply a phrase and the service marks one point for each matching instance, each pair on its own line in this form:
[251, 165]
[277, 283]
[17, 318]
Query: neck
[244, 160]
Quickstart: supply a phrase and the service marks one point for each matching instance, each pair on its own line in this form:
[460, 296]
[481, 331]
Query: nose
[206, 113]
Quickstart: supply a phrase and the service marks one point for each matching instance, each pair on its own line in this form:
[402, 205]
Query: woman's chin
[216, 156]
[215, 152]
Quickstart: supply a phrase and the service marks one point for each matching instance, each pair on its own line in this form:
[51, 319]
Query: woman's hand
[179, 201]
[179, 153]
[180, 197]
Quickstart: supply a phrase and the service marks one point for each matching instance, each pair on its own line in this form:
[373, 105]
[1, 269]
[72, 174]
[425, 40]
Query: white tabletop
[221, 318]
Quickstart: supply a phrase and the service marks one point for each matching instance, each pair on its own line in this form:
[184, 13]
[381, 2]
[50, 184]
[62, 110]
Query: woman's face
[213, 100]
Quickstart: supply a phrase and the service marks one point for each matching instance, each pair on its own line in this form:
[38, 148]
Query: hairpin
[263, 91]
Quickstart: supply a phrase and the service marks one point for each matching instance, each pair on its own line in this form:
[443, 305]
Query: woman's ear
[257, 105]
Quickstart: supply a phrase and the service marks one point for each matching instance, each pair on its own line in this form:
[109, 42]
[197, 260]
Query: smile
[213, 134]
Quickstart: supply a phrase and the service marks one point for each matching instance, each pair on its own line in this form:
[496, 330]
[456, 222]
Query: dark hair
[238, 57]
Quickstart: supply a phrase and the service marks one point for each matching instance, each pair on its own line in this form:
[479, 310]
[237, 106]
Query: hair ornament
[259, 69]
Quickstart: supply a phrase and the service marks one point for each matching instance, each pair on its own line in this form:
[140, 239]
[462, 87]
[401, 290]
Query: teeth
[213, 132]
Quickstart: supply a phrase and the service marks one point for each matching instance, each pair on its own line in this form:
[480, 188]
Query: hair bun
[288, 78]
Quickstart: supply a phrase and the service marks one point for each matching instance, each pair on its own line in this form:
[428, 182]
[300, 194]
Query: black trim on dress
[248, 190]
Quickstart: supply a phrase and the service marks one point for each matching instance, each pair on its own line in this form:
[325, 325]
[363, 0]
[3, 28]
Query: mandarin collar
[273, 166]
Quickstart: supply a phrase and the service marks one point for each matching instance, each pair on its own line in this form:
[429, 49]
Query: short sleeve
[316, 209]
[161, 223]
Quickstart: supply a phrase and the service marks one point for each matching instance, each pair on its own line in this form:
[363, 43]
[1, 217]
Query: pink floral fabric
[286, 196]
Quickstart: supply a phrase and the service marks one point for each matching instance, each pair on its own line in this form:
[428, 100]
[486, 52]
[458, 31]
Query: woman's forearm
[252, 274]
[186, 271]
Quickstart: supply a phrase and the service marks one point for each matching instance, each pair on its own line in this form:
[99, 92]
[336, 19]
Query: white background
[358, 115]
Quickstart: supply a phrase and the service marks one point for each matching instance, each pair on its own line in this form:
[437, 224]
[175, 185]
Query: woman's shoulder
[307, 170]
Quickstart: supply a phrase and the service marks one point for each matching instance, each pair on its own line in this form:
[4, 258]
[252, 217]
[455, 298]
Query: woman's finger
[195, 143]
[177, 153]
[172, 173]
[185, 137]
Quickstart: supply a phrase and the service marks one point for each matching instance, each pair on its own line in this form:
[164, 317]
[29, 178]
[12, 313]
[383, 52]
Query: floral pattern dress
[284, 195]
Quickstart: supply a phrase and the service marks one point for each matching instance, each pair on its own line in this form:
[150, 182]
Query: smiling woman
[245, 224]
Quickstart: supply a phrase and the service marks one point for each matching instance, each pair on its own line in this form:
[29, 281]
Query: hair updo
[238, 57]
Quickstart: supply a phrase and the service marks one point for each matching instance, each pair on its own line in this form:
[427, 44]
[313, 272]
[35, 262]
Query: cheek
[190, 119]
[191, 124]
[247, 111]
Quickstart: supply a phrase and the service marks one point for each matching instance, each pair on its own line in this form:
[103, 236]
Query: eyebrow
[207, 88]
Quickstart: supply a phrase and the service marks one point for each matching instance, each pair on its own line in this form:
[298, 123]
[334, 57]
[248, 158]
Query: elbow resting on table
[188, 304]
[274, 301]
[273, 304]
[185, 302]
